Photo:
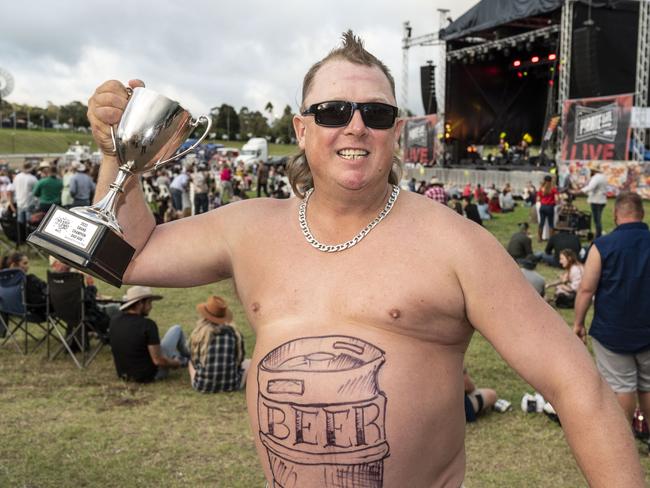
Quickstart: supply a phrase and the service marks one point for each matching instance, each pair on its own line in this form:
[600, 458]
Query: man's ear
[399, 127]
[300, 128]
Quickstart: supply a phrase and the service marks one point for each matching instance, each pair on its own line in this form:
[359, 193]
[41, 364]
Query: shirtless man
[357, 374]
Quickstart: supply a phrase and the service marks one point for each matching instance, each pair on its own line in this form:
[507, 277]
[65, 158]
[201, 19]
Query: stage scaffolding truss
[506, 42]
[642, 73]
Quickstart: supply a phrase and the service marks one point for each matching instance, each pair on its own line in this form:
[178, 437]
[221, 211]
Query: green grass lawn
[51, 141]
[62, 427]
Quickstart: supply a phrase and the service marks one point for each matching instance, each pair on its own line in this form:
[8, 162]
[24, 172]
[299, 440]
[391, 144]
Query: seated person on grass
[477, 400]
[567, 286]
[138, 352]
[564, 239]
[217, 350]
[520, 245]
[35, 288]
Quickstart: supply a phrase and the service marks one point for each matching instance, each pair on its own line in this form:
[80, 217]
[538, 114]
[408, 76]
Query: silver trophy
[151, 130]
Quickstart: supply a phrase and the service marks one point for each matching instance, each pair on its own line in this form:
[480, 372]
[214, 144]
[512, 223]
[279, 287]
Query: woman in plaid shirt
[217, 350]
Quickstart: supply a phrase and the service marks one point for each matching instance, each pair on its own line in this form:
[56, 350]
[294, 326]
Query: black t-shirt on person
[520, 245]
[471, 212]
[560, 241]
[130, 335]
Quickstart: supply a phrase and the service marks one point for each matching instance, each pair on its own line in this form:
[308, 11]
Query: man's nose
[356, 125]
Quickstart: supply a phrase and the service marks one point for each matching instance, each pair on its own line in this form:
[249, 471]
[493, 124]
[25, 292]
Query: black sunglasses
[338, 113]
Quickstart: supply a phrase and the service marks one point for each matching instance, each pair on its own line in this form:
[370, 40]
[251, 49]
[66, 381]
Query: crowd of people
[28, 193]
[189, 187]
[197, 187]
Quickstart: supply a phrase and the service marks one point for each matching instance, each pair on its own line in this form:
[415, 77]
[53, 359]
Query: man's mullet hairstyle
[352, 51]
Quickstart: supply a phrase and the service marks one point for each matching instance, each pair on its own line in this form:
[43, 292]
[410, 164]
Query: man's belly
[356, 407]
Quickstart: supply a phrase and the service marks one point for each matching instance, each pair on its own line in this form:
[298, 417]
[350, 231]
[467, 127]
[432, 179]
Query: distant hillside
[51, 141]
[38, 141]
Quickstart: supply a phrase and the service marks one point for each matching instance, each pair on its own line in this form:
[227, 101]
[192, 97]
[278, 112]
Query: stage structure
[431, 39]
[511, 66]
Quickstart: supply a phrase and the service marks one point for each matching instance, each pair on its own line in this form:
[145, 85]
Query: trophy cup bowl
[90, 238]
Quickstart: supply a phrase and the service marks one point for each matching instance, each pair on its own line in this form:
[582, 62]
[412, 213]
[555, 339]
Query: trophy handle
[208, 122]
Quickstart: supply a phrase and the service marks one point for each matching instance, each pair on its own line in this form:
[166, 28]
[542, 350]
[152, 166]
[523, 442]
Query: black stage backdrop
[487, 98]
[616, 32]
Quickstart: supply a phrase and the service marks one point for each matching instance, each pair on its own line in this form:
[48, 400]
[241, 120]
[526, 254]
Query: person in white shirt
[23, 185]
[178, 187]
[596, 191]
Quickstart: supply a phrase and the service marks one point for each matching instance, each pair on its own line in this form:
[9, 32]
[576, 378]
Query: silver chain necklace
[302, 218]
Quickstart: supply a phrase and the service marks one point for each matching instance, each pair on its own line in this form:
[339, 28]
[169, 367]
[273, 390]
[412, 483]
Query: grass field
[51, 141]
[61, 427]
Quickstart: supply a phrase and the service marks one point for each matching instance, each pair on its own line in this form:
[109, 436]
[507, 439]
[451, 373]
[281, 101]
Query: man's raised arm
[538, 344]
[189, 252]
[105, 109]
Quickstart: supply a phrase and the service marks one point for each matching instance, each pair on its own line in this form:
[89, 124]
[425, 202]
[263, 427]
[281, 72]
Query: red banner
[419, 141]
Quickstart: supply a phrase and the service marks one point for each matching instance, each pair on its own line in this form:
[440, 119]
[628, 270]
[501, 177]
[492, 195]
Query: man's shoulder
[131, 319]
[434, 216]
[258, 207]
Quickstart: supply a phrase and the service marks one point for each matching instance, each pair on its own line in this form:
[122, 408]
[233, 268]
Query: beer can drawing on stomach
[322, 414]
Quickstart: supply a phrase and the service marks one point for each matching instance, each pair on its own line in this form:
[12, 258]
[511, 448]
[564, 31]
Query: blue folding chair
[14, 311]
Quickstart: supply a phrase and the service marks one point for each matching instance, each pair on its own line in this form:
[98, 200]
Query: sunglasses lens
[378, 115]
[338, 114]
[333, 114]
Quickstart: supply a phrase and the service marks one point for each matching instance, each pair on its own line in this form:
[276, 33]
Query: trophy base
[83, 244]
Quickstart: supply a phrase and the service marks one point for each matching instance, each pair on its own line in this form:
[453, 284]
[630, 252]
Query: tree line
[227, 123]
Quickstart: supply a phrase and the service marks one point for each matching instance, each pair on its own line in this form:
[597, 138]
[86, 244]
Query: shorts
[625, 373]
[473, 405]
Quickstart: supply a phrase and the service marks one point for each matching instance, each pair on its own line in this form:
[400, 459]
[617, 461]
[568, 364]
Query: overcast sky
[202, 53]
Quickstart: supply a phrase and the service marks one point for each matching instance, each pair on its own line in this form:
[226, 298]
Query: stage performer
[357, 372]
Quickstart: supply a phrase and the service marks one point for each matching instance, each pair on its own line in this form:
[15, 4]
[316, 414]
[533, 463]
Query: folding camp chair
[67, 319]
[14, 314]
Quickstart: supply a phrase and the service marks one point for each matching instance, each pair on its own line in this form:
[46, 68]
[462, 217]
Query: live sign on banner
[597, 129]
[419, 141]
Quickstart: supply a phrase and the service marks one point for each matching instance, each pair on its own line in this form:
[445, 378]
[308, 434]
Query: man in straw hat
[364, 301]
[217, 350]
[138, 352]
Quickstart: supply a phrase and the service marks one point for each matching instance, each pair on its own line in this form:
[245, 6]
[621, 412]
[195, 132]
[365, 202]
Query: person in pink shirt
[226, 183]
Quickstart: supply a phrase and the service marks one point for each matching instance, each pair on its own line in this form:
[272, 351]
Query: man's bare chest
[391, 289]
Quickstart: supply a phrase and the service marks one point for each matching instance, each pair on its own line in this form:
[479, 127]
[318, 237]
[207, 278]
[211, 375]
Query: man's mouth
[352, 153]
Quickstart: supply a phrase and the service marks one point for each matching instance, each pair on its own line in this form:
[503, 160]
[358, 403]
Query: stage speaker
[584, 62]
[428, 87]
